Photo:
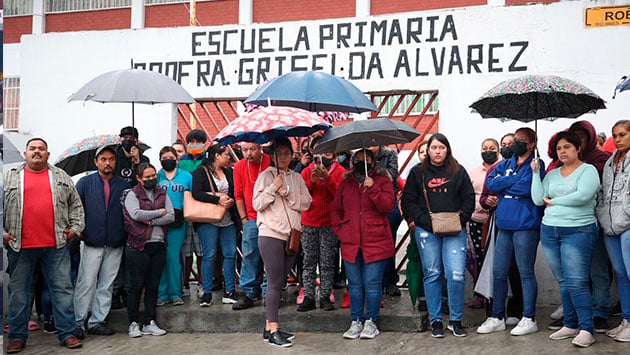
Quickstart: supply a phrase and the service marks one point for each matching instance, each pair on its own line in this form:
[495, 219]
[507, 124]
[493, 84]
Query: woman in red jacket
[359, 219]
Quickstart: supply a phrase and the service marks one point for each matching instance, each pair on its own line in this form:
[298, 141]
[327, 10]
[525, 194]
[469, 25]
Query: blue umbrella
[312, 91]
[622, 85]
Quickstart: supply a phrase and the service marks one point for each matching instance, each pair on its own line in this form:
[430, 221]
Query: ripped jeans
[443, 256]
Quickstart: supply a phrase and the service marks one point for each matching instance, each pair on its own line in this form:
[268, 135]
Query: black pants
[390, 276]
[144, 269]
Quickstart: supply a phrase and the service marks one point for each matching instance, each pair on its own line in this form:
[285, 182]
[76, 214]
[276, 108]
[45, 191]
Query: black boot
[307, 305]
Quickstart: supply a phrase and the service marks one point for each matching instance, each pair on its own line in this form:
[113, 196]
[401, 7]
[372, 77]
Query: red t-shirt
[38, 218]
[244, 179]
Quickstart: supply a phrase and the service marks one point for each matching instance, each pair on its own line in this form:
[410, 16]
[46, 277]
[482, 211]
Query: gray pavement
[324, 343]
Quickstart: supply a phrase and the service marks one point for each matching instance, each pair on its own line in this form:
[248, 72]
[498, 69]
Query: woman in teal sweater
[568, 233]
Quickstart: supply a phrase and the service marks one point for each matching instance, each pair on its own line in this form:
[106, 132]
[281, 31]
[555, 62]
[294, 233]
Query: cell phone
[318, 160]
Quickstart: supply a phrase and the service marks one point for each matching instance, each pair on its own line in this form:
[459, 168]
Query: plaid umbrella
[79, 157]
[534, 97]
[265, 124]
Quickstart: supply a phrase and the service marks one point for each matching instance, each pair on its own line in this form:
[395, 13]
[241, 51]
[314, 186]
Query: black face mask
[359, 168]
[519, 148]
[326, 162]
[489, 157]
[127, 144]
[168, 164]
[506, 152]
[150, 184]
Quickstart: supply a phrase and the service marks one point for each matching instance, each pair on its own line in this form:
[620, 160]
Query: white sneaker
[613, 332]
[370, 331]
[524, 327]
[134, 330]
[152, 329]
[557, 314]
[510, 321]
[355, 330]
[491, 325]
[624, 335]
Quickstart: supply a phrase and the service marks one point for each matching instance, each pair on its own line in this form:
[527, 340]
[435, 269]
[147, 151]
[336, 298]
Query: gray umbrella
[134, 86]
[10, 153]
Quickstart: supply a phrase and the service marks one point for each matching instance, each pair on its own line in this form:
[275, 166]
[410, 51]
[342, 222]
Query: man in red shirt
[246, 172]
[42, 212]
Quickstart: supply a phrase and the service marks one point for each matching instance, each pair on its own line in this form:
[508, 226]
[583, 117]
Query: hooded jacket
[323, 193]
[446, 194]
[613, 200]
[512, 183]
[591, 154]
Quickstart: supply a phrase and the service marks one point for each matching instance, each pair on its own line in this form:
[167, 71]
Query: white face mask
[196, 146]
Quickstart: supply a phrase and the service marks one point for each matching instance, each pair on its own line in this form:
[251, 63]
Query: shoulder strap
[205, 168]
[426, 198]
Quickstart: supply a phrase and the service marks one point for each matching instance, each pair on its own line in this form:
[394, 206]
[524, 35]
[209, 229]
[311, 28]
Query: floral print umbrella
[79, 157]
[534, 97]
[264, 124]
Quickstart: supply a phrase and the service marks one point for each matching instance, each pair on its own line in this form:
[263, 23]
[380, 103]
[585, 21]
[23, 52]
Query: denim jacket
[67, 206]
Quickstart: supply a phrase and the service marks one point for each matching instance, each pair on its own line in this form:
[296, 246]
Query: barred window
[18, 7]
[53, 6]
[406, 102]
[11, 103]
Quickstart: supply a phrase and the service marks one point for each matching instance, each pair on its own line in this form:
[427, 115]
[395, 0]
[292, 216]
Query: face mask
[359, 168]
[267, 150]
[169, 164]
[341, 158]
[195, 149]
[326, 162]
[489, 157]
[150, 184]
[506, 152]
[519, 148]
[127, 144]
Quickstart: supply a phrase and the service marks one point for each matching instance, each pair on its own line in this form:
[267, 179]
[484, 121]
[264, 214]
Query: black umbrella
[365, 133]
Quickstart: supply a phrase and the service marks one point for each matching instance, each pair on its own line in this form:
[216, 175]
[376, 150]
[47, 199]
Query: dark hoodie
[446, 194]
[591, 154]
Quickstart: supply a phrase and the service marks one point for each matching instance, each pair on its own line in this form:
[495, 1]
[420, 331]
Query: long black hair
[210, 157]
[450, 163]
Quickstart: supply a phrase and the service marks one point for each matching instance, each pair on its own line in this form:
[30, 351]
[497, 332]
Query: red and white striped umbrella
[267, 123]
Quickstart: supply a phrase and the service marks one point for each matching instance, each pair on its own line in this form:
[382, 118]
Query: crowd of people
[120, 236]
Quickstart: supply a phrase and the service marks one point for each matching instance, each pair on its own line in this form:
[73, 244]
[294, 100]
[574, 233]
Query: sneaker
[584, 339]
[511, 321]
[186, 291]
[276, 339]
[393, 290]
[624, 335]
[206, 300]
[354, 331]
[437, 330]
[455, 326]
[300, 297]
[491, 324]
[243, 302]
[134, 330]
[615, 310]
[152, 329]
[160, 303]
[287, 336]
[345, 303]
[557, 314]
[370, 331]
[477, 303]
[100, 329]
[600, 325]
[564, 333]
[613, 332]
[178, 301]
[556, 324]
[524, 327]
[325, 304]
[307, 305]
[49, 327]
[229, 297]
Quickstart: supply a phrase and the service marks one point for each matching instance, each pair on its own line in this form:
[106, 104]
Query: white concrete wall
[53, 66]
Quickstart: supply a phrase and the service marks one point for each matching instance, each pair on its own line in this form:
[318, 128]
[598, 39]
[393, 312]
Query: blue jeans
[568, 251]
[365, 286]
[618, 247]
[55, 266]
[211, 237]
[443, 256]
[600, 278]
[523, 244]
[251, 265]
